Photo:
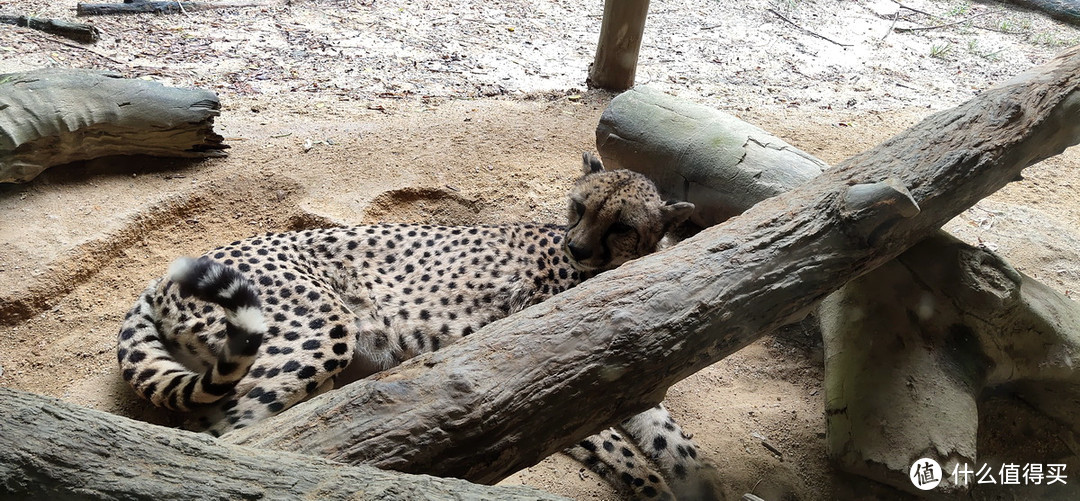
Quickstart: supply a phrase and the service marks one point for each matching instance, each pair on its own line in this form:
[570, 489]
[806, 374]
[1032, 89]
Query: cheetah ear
[676, 212]
[591, 164]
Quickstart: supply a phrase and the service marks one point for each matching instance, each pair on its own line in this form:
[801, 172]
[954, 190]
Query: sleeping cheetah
[256, 326]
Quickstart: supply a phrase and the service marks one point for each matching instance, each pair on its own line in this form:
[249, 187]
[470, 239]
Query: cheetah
[254, 327]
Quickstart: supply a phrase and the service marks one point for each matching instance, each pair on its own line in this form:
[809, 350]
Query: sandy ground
[468, 111]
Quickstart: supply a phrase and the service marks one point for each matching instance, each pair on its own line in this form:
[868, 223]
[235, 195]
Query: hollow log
[51, 449]
[611, 347]
[55, 116]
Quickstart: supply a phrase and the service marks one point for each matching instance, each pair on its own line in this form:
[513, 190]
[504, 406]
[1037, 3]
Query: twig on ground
[894, 19]
[82, 48]
[912, 9]
[987, 28]
[923, 28]
[827, 39]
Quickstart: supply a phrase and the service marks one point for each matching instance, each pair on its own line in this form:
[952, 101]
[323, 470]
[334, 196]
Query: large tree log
[694, 153]
[157, 7]
[1062, 10]
[55, 116]
[916, 339]
[612, 346]
[54, 450]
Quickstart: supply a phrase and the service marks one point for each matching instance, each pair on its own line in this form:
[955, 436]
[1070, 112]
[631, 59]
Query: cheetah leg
[299, 359]
[621, 465]
[278, 391]
[675, 454]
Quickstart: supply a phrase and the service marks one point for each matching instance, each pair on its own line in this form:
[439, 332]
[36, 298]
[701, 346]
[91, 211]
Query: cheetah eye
[579, 208]
[620, 228]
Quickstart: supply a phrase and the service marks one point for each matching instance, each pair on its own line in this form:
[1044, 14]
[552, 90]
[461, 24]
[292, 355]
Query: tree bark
[615, 64]
[697, 154]
[79, 32]
[911, 347]
[916, 339]
[156, 7]
[612, 346]
[55, 116]
[53, 450]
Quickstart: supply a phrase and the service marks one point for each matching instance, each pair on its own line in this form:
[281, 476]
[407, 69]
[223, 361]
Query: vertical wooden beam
[620, 38]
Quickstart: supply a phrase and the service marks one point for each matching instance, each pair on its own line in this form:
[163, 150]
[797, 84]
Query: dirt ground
[347, 112]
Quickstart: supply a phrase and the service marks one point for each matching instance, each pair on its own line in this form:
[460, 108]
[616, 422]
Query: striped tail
[153, 371]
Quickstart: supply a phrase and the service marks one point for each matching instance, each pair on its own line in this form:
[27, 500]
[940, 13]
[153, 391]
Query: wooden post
[620, 39]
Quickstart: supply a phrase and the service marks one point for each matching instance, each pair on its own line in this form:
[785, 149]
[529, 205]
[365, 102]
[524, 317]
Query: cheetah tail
[148, 365]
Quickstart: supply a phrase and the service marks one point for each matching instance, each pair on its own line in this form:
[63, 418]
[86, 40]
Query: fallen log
[50, 449]
[156, 7]
[51, 116]
[80, 32]
[482, 408]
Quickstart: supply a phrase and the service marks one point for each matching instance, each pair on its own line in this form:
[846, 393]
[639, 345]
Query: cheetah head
[616, 216]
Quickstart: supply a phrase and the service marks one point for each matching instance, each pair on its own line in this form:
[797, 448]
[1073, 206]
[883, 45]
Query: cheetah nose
[577, 252]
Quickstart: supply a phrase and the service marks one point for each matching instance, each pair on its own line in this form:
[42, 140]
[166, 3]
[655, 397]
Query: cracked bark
[54, 450]
[482, 408]
[694, 153]
[615, 64]
[921, 337]
[55, 116]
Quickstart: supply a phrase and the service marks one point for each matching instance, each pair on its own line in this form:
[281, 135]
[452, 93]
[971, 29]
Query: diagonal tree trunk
[929, 334]
[484, 408]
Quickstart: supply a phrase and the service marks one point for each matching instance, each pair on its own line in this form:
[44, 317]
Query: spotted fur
[254, 327]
